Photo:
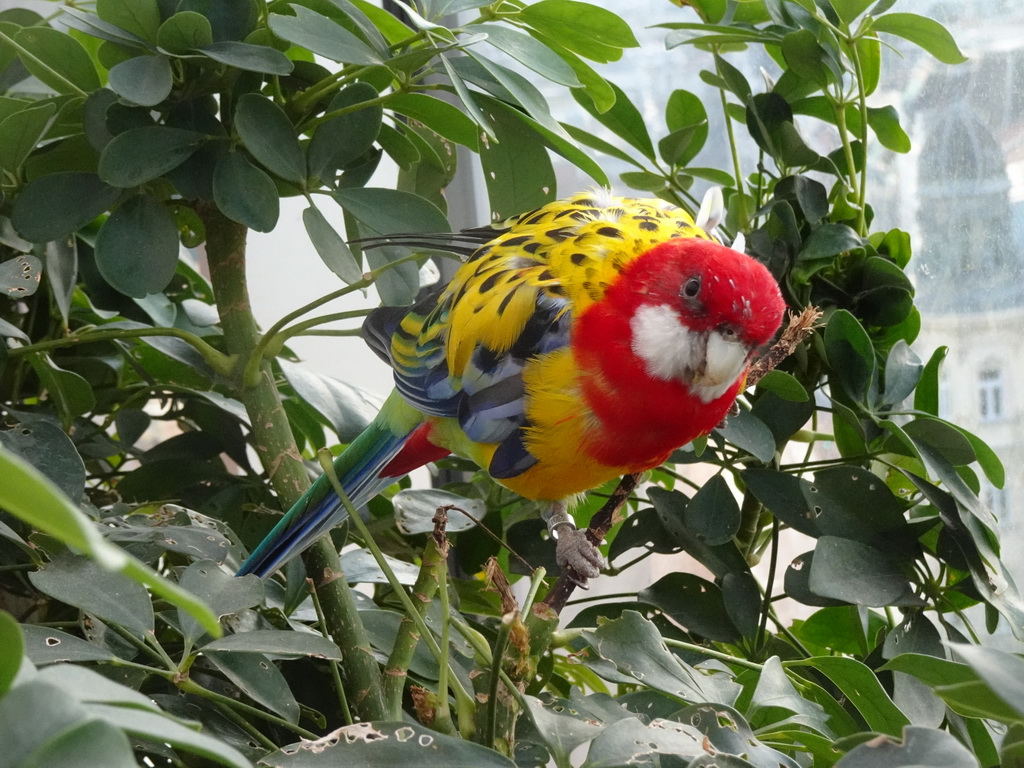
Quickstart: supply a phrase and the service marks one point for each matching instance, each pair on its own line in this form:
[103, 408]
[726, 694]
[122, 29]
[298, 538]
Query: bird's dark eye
[691, 288]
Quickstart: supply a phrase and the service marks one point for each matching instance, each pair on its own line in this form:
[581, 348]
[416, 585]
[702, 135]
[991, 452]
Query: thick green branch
[275, 445]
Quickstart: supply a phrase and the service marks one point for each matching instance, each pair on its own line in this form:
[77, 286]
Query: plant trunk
[275, 445]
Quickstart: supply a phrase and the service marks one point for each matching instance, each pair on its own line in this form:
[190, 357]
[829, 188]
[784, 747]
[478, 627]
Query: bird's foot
[574, 552]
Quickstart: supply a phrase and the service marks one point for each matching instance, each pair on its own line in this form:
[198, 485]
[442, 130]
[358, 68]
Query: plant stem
[217, 360]
[862, 227]
[410, 610]
[275, 446]
[338, 686]
[396, 671]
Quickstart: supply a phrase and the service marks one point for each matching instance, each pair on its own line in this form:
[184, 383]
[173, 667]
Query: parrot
[579, 342]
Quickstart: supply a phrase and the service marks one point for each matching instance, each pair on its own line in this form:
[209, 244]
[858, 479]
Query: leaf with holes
[20, 276]
[47, 446]
[79, 581]
[259, 679]
[224, 593]
[385, 743]
[44, 645]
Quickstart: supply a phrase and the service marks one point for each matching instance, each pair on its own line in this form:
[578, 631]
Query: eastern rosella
[587, 339]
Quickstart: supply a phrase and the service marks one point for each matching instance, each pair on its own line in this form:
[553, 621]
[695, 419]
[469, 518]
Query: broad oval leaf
[142, 154]
[143, 80]
[51, 207]
[390, 211]
[259, 679]
[47, 446]
[58, 60]
[20, 276]
[183, 32]
[245, 194]
[139, 17]
[81, 582]
[21, 131]
[344, 138]
[854, 572]
[137, 247]
[270, 136]
[713, 514]
[918, 746]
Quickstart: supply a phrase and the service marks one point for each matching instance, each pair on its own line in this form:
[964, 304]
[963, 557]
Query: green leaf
[348, 409]
[902, 372]
[713, 514]
[20, 276]
[587, 29]
[87, 686]
[467, 98]
[20, 132]
[83, 583]
[47, 447]
[919, 746]
[341, 140]
[12, 648]
[623, 119]
[29, 496]
[785, 385]
[999, 670]
[49, 646]
[807, 58]
[415, 509]
[439, 116]
[321, 34]
[140, 17]
[183, 32]
[684, 110]
[142, 154]
[885, 122]
[517, 168]
[851, 357]
[921, 31]
[62, 272]
[270, 136]
[245, 194]
[862, 689]
[694, 603]
[86, 744]
[849, 10]
[854, 572]
[926, 395]
[391, 211]
[259, 679]
[137, 247]
[529, 52]
[162, 729]
[223, 593]
[143, 80]
[252, 58]
[332, 249]
[384, 743]
[70, 393]
[58, 60]
[746, 431]
[277, 642]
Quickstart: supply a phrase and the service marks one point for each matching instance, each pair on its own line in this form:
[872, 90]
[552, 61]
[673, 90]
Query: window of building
[990, 394]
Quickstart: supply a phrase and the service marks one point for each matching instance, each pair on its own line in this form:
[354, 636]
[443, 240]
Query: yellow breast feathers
[568, 252]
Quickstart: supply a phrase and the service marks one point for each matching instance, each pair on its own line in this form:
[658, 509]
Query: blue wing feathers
[358, 468]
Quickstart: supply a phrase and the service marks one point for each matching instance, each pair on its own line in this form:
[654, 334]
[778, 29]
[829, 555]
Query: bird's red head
[697, 311]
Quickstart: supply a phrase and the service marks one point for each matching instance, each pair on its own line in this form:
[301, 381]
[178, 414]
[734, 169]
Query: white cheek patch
[668, 348]
[709, 363]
